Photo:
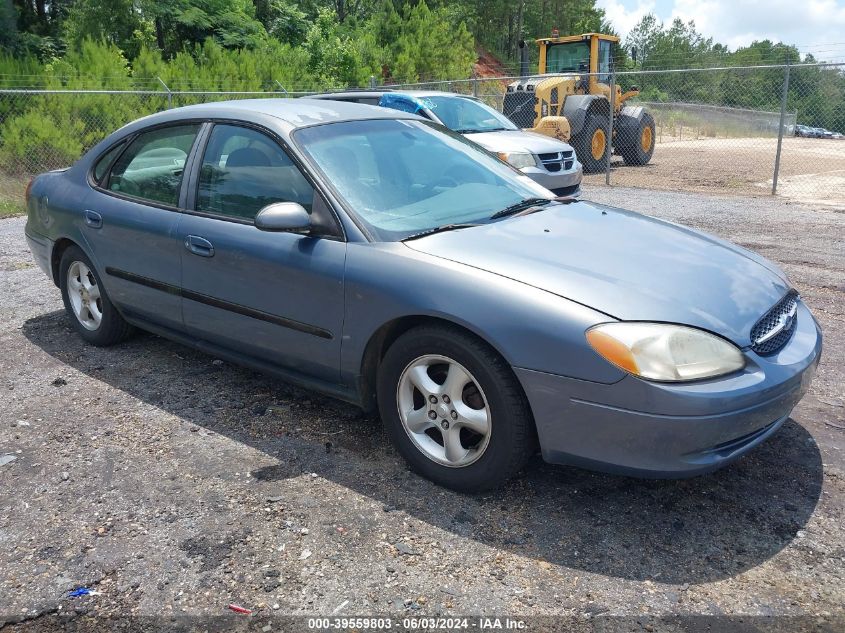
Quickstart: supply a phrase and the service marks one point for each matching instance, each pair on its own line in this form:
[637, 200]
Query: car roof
[353, 94]
[295, 112]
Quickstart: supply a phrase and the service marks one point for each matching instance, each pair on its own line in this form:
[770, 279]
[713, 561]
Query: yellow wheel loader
[570, 99]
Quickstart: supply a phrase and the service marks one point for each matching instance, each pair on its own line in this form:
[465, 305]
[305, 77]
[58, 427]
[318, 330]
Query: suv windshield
[402, 177]
[467, 115]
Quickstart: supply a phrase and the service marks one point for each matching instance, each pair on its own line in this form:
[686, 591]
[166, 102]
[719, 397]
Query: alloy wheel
[444, 410]
[84, 295]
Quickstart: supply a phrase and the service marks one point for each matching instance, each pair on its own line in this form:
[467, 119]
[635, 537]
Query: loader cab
[587, 53]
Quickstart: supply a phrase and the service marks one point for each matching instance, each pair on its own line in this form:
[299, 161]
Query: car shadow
[671, 531]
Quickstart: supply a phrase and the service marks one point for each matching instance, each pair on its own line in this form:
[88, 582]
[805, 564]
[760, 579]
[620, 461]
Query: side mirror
[284, 217]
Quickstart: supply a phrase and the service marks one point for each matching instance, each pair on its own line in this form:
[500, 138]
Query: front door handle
[199, 246]
[93, 219]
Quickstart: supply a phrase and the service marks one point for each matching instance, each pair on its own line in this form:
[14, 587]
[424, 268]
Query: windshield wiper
[475, 130]
[442, 229]
[531, 205]
[520, 206]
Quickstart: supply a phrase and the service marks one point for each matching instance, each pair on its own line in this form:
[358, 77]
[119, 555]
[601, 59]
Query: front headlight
[658, 351]
[518, 159]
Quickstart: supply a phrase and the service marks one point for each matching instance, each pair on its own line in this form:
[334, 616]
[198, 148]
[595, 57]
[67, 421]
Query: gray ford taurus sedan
[375, 256]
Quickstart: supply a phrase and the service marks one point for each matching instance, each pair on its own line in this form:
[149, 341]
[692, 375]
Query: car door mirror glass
[287, 217]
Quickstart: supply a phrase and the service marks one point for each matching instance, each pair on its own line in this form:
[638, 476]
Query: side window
[398, 102]
[105, 161]
[604, 61]
[244, 170]
[151, 167]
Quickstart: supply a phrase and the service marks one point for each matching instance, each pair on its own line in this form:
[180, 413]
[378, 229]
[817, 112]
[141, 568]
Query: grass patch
[11, 208]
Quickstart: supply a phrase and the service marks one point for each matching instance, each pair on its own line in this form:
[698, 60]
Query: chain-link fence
[724, 130]
[753, 130]
[49, 129]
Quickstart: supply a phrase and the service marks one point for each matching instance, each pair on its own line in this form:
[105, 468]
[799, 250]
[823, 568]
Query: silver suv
[548, 161]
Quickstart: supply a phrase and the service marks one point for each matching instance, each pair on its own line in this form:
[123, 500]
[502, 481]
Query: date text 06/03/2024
[419, 624]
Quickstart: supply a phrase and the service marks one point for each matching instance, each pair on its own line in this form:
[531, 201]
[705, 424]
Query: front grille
[556, 155]
[776, 327]
[557, 160]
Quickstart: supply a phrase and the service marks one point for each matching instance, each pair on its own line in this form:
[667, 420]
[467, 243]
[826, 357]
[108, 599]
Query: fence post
[610, 124]
[169, 94]
[474, 85]
[780, 129]
[372, 82]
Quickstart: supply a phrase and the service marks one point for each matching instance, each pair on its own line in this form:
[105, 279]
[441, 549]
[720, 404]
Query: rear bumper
[651, 429]
[41, 248]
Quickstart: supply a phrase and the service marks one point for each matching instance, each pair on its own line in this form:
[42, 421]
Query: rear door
[131, 219]
[277, 297]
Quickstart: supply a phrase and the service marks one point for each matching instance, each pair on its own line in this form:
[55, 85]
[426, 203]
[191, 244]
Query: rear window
[152, 166]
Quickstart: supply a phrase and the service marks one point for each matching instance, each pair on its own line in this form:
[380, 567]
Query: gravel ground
[173, 484]
[812, 170]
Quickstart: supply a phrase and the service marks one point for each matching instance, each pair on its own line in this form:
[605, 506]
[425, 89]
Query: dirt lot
[172, 484]
[812, 170]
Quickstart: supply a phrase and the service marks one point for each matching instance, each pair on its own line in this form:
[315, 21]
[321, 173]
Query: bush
[40, 132]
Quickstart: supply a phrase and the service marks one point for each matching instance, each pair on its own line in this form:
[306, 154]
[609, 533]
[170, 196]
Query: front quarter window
[401, 177]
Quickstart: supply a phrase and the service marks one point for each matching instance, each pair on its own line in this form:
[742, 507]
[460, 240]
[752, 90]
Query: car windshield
[403, 177]
[467, 115]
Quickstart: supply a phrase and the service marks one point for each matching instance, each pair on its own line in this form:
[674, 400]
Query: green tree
[121, 22]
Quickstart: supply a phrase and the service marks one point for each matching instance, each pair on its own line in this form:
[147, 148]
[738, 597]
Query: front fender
[530, 328]
[577, 107]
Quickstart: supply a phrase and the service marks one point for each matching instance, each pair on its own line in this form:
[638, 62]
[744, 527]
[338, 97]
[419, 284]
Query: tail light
[28, 190]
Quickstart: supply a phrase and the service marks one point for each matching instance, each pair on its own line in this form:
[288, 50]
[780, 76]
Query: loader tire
[591, 144]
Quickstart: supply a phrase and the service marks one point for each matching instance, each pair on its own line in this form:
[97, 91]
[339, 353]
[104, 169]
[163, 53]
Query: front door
[274, 296]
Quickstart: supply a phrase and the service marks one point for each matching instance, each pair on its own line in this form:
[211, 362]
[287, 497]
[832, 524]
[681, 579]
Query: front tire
[591, 144]
[454, 409]
[93, 315]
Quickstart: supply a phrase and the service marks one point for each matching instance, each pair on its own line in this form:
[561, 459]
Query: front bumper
[653, 429]
[561, 182]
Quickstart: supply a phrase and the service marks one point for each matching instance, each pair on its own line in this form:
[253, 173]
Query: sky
[814, 26]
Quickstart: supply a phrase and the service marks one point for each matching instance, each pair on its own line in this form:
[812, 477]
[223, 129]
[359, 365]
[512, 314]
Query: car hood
[518, 141]
[626, 265]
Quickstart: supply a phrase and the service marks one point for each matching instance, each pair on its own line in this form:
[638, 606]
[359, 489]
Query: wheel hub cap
[84, 296]
[443, 410]
[645, 139]
[597, 148]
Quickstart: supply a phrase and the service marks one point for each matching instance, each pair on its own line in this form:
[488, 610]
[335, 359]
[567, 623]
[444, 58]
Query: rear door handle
[199, 246]
[93, 219]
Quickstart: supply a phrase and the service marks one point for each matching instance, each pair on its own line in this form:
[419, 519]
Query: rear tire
[591, 144]
[636, 141]
[87, 303]
[454, 409]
